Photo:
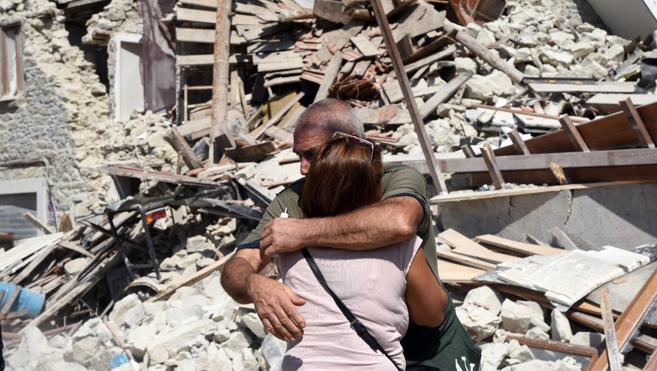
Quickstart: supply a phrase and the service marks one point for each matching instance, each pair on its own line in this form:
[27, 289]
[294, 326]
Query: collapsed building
[140, 182]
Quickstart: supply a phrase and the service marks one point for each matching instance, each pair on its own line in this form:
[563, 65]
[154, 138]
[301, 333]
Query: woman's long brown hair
[345, 175]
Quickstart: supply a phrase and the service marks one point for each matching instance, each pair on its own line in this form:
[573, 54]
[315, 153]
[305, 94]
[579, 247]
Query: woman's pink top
[371, 284]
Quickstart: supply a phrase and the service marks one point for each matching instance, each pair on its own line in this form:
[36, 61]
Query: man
[402, 213]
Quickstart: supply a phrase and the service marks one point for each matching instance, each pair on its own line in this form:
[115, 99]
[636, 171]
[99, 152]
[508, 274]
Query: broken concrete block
[76, 265]
[484, 297]
[521, 316]
[537, 333]
[465, 65]
[589, 339]
[485, 87]
[128, 312]
[485, 37]
[273, 350]
[492, 355]
[480, 322]
[253, 323]
[614, 54]
[556, 57]
[518, 353]
[560, 329]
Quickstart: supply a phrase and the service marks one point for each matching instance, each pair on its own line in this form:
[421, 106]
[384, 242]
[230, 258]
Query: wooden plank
[573, 134]
[258, 132]
[280, 66]
[179, 144]
[195, 15]
[465, 246]
[491, 165]
[195, 128]
[37, 223]
[651, 365]
[609, 102]
[382, 21]
[26, 248]
[446, 91]
[192, 279]
[457, 273]
[251, 153]
[608, 132]
[329, 76]
[634, 118]
[448, 51]
[614, 359]
[365, 46]
[75, 247]
[212, 4]
[567, 160]
[595, 87]
[516, 246]
[630, 320]
[194, 35]
[555, 346]
[518, 142]
[465, 260]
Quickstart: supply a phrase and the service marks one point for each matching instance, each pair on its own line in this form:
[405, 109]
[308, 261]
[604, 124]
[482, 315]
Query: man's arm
[385, 223]
[275, 303]
[393, 220]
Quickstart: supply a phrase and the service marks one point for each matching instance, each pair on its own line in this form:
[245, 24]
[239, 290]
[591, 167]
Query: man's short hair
[331, 115]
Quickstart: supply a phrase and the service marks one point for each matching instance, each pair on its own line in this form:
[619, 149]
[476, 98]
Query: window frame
[4, 65]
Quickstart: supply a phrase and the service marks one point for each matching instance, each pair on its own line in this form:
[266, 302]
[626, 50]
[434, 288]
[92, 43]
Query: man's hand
[276, 306]
[282, 235]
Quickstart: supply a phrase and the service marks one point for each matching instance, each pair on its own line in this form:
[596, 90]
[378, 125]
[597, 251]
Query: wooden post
[445, 92]
[173, 137]
[630, 320]
[573, 134]
[483, 52]
[615, 362]
[518, 143]
[491, 164]
[220, 72]
[398, 65]
[637, 123]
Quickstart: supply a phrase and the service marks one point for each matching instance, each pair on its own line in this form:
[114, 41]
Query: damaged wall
[118, 17]
[620, 216]
[61, 111]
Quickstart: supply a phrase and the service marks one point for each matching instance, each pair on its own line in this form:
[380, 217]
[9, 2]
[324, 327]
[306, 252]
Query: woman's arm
[425, 297]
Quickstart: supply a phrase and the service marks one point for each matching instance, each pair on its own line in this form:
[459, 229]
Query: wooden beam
[382, 21]
[465, 246]
[578, 350]
[651, 365]
[194, 15]
[37, 223]
[491, 165]
[329, 76]
[194, 35]
[220, 77]
[634, 118]
[466, 260]
[608, 132]
[483, 52]
[442, 95]
[567, 160]
[573, 134]
[630, 320]
[518, 142]
[518, 247]
[615, 358]
[260, 131]
[181, 146]
[448, 51]
[593, 87]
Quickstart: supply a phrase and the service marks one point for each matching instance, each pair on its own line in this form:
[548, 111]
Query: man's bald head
[318, 123]
[330, 116]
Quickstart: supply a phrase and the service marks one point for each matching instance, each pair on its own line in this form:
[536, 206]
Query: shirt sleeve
[406, 181]
[273, 211]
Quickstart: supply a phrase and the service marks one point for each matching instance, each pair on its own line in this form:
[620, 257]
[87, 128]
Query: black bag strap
[354, 322]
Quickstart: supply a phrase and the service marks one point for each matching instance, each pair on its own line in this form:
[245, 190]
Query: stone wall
[61, 113]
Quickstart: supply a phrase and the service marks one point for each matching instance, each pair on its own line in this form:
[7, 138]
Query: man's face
[306, 144]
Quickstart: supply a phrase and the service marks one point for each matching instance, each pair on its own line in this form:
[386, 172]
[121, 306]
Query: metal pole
[416, 117]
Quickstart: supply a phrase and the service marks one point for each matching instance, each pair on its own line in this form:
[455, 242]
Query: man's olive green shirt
[398, 181]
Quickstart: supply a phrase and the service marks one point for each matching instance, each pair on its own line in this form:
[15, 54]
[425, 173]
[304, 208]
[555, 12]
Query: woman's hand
[283, 235]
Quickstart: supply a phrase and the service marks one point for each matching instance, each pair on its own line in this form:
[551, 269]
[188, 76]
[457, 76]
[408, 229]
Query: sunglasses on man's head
[339, 134]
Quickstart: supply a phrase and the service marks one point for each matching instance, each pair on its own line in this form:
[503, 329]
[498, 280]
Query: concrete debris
[560, 327]
[521, 316]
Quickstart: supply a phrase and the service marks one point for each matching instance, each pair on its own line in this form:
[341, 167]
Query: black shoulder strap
[354, 322]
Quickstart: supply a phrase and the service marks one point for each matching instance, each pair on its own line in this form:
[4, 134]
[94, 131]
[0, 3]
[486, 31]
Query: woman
[345, 175]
